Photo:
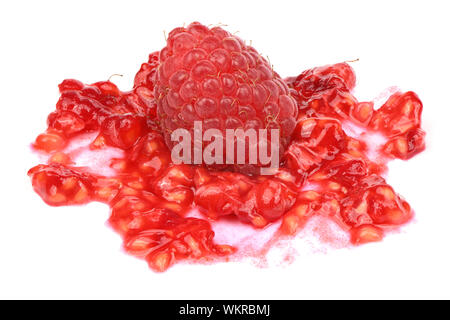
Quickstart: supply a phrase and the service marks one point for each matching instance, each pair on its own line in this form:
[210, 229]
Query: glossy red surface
[212, 76]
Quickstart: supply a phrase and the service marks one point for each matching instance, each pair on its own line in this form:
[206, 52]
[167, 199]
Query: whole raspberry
[209, 75]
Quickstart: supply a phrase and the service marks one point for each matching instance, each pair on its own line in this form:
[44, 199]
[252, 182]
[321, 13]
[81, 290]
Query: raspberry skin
[209, 75]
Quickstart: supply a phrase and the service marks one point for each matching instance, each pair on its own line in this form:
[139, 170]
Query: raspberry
[212, 76]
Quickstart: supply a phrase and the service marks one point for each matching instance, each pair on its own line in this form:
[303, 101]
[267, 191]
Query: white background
[68, 252]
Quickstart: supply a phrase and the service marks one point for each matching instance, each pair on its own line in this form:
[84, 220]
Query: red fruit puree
[324, 171]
